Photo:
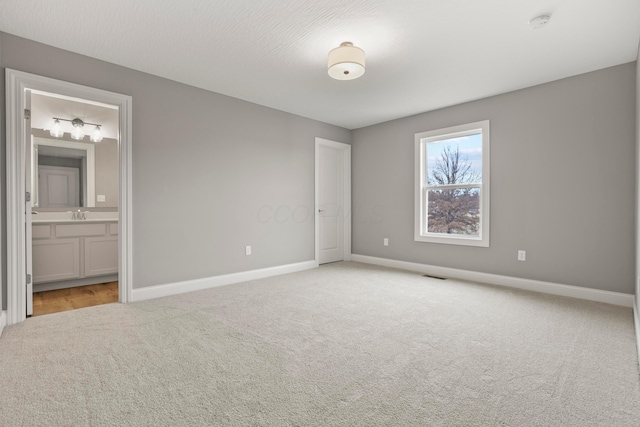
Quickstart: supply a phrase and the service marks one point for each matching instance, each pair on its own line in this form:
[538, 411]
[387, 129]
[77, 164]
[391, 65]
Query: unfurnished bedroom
[329, 213]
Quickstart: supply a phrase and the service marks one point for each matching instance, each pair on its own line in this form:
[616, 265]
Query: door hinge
[28, 279]
[27, 114]
[27, 196]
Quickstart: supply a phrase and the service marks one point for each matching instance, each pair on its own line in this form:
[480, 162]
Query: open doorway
[21, 231]
[73, 180]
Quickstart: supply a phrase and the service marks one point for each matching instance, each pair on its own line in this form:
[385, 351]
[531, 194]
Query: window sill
[454, 240]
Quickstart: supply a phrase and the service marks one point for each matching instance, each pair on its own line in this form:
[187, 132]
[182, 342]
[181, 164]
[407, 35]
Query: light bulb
[77, 133]
[96, 136]
[56, 129]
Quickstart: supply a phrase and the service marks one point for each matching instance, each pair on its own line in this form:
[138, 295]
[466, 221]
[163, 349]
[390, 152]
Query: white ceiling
[421, 54]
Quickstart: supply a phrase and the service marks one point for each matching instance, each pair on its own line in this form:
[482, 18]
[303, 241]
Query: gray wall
[562, 183]
[637, 212]
[204, 165]
[3, 193]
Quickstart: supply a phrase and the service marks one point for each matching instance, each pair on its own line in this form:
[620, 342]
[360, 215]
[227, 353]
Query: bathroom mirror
[63, 174]
[71, 172]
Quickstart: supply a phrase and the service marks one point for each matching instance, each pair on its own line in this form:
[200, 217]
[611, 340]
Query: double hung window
[452, 185]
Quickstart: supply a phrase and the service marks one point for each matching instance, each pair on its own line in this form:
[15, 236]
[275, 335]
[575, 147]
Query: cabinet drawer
[68, 230]
[41, 231]
[113, 229]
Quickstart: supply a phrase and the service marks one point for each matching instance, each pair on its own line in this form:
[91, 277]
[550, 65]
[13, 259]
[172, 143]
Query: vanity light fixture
[78, 132]
[346, 62]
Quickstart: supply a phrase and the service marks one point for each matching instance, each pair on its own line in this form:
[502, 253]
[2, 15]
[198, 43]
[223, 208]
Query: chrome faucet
[78, 216]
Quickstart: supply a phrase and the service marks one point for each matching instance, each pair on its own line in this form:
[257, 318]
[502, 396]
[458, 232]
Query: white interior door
[28, 144]
[58, 186]
[331, 208]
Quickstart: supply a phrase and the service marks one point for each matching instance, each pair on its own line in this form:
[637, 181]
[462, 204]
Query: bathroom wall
[107, 176]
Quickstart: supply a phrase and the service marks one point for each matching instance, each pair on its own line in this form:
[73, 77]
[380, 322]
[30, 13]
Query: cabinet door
[56, 259]
[100, 255]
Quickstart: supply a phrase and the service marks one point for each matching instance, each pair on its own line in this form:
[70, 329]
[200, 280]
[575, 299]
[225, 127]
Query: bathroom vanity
[68, 253]
[74, 216]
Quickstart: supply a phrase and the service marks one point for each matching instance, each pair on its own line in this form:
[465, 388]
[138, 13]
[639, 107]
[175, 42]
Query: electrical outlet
[247, 250]
[522, 255]
[386, 241]
[101, 198]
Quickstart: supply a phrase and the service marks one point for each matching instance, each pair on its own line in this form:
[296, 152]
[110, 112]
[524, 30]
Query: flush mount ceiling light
[540, 21]
[78, 132]
[346, 62]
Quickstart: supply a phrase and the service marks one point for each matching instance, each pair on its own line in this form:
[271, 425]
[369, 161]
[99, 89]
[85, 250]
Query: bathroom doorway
[73, 177]
[89, 240]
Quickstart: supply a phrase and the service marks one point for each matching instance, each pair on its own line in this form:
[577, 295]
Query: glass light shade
[56, 130]
[77, 133]
[346, 62]
[96, 136]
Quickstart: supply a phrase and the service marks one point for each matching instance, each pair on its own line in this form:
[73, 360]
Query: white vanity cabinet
[74, 251]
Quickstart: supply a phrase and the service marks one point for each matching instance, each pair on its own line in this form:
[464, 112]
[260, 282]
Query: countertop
[70, 221]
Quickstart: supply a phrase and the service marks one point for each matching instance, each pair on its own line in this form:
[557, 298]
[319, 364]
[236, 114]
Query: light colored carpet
[343, 345]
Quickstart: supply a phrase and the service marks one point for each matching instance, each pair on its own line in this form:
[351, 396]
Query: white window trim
[421, 139]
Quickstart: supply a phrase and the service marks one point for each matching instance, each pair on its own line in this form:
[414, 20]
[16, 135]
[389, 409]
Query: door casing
[16, 84]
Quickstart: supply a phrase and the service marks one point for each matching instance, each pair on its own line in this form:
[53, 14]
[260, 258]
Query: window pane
[455, 160]
[454, 211]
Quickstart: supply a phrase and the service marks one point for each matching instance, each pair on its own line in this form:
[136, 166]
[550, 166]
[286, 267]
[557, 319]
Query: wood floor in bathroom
[71, 298]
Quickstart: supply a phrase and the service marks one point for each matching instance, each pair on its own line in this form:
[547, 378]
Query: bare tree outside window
[454, 209]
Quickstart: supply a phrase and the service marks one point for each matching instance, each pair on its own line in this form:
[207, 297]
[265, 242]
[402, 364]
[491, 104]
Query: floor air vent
[434, 277]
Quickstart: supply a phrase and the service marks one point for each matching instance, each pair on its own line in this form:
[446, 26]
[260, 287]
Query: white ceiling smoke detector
[539, 21]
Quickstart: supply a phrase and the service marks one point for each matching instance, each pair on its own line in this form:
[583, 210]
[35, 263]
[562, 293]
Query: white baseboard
[3, 321]
[215, 281]
[609, 297]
